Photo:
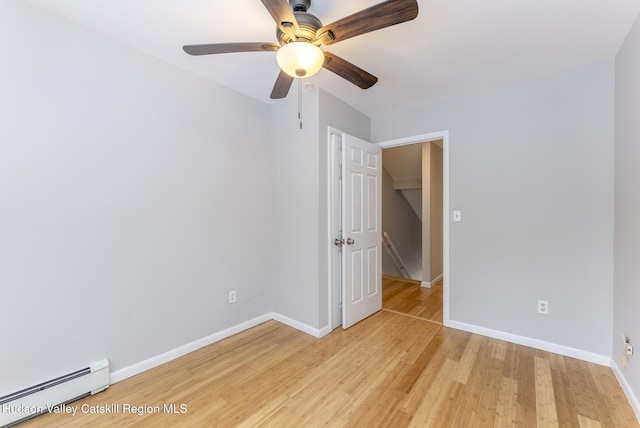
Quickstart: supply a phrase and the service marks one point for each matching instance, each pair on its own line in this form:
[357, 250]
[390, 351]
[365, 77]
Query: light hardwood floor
[407, 296]
[390, 370]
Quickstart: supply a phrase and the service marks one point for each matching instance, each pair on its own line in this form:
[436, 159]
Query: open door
[361, 230]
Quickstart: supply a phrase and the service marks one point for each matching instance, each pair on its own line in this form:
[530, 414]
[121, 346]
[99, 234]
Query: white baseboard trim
[429, 284]
[142, 366]
[298, 325]
[325, 330]
[603, 360]
[631, 397]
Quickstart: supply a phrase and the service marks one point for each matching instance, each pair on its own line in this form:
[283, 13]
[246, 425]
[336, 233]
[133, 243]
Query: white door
[361, 230]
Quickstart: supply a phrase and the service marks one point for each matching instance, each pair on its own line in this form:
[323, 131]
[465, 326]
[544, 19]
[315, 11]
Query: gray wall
[134, 196]
[532, 171]
[627, 204]
[294, 158]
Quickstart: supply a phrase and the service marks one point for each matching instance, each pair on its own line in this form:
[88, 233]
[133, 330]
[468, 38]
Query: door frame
[424, 138]
[421, 138]
[332, 261]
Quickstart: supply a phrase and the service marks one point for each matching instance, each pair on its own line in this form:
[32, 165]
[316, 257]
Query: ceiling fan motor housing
[308, 25]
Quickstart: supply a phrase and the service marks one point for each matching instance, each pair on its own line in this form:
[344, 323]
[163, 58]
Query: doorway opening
[335, 292]
[412, 211]
[412, 193]
[432, 137]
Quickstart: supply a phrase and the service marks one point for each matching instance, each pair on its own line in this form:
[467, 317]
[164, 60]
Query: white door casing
[335, 218]
[362, 230]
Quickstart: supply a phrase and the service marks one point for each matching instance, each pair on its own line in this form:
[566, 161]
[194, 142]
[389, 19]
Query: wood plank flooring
[390, 370]
[407, 296]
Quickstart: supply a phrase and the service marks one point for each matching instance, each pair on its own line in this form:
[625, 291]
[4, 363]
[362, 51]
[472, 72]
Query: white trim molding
[429, 284]
[603, 360]
[152, 362]
[300, 326]
[330, 196]
[149, 363]
[626, 388]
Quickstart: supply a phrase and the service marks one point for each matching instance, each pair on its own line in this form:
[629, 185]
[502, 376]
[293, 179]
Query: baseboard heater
[42, 398]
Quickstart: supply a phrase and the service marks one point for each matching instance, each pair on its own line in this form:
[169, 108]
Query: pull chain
[300, 101]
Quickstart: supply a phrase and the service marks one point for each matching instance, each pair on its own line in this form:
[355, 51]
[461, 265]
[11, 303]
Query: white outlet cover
[543, 307]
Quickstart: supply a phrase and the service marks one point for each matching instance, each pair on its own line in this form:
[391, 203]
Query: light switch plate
[457, 216]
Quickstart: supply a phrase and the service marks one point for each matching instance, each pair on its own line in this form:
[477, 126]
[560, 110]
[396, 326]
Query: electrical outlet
[232, 296]
[629, 349]
[543, 307]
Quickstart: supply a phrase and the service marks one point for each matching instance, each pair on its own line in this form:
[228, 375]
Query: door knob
[350, 241]
[338, 242]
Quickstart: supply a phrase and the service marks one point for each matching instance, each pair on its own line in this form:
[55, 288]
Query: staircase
[394, 255]
[402, 203]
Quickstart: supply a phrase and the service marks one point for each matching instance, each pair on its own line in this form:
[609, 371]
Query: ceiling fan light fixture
[300, 59]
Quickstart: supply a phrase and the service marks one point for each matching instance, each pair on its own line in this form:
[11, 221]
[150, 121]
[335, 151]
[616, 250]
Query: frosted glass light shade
[300, 59]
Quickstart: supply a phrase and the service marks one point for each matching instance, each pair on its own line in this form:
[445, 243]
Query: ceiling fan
[300, 34]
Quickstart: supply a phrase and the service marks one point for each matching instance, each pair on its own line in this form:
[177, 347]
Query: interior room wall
[532, 172]
[295, 162]
[134, 196]
[626, 317]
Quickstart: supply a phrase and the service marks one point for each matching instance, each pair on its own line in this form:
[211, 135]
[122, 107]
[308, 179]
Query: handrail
[395, 256]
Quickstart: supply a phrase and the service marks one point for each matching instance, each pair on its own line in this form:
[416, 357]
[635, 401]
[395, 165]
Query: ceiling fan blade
[348, 71]
[382, 15]
[220, 48]
[282, 14]
[282, 86]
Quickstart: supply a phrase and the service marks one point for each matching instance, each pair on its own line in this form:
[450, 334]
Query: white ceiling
[452, 47]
